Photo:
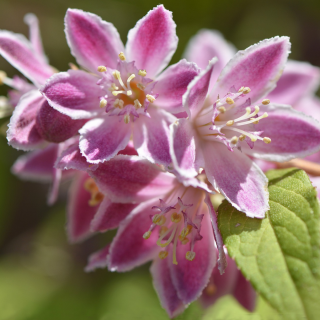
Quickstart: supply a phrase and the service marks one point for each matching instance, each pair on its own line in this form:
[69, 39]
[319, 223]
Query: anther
[266, 140]
[102, 69]
[142, 73]
[129, 93]
[96, 198]
[265, 101]
[159, 219]
[229, 101]
[103, 103]
[254, 121]
[242, 137]
[116, 74]
[176, 217]
[246, 90]
[113, 87]
[234, 140]
[163, 254]
[163, 230]
[3, 76]
[186, 231]
[118, 103]
[131, 77]
[147, 235]
[115, 93]
[230, 123]
[222, 109]
[122, 56]
[137, 104]
[150, 98]
[183, 240]
[190, 255]
[241, 89]
[126, 118]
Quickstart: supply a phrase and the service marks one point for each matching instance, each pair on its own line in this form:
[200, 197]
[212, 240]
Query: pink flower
[132, 97]
[224, 126]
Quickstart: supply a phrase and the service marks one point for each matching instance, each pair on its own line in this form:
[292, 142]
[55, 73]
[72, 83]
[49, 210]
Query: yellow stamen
[174, 251]
[96, 199]
[137, 104]
[73, 66]
[222, 109]
[186, 231]
[113, 87]
[126, 118]
[183, 240]
[163, 254]
[265, 101]
[3, 75]
[122, 56]
[242, 137]
[190, 255]
[230, 123]
[142, 73]
[115, 93]
[176, 217]
[102, 69]
[118, 103]
[234, 140]
[103, 103]
[254, 121]
[141, 86]
[266, 140]
[211, 289]
[163, 230]
[147, 235]
[246, 90]
[150, 98]
[229, 101]
[159, 219]
[241, 89]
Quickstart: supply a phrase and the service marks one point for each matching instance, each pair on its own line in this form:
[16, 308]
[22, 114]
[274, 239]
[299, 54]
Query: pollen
[242, 137]
[142, 73]
[266, 140]
[190, 255]
[122, 56]
[222, 109]
[265, 101]
[126, 118]
[254, 121]
[241, 89]
[3, 76]
[176, 217]
[118, 103]
[163, 254]
[102, 69]
[246, 90]
[186, 231]
[230, 123]
[229, 101]
[137, 104]
[147, 235]
[103, 103]
[150, 98]
[159, 219]
[234, 140]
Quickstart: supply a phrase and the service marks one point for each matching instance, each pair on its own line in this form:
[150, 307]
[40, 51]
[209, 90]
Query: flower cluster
[149, 146]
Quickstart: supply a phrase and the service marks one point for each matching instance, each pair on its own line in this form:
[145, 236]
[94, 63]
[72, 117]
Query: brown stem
[309, 167]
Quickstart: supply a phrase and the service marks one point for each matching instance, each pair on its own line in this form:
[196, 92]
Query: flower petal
[239, 179]
[309, 105]
[258, 67]
[22, 133]
[36, 165]
[207, 44]
[191, 277]
[98, 259]
[298, 80]
[54, 190]
[102, 138]
[110, 214]
[153, 41]
[292, 133]
[17, 50]
[194, 98]
[129, 179]
[80, 213]
[165, 289]
[93, 42]
[172, 85]
[74, 93]
[151, 136]
[129, 249]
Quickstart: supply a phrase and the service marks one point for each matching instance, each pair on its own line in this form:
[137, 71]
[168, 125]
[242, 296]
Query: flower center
[96, 195]
[129, 91]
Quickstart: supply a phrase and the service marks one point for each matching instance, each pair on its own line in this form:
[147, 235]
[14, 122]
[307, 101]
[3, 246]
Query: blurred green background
[41, 275]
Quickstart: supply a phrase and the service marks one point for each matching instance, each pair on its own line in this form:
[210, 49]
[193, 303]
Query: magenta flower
[131, 98]
[176, 232]
[223, 126]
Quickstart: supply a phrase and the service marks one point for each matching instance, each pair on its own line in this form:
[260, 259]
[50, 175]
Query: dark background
[41, 275]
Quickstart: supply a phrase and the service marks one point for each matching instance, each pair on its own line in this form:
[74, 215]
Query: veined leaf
[280, 254]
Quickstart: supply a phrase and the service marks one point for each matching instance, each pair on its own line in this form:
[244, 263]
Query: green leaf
[280, 254]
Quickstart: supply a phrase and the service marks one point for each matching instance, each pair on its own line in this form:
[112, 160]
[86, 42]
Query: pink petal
[207, 44]
[151, 136]
[36, 165]
[292, 134]
[316, 183]
[244, 293]
[17, 50]
[93, 42]
[54, 190]
[153, 41]
[183, 148]
[194, 98]
[129, 179]
[165, 289]
[110, 214]
[258, 67]
[98, 259]
[102, 138]
[172, 85]
[74, 93]
[22, 132]
[310, 106]
[34, 33]
[129, 249]
[298, 80]
[80, 213]
[239, 179]
[191, 277]
[54, 126]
